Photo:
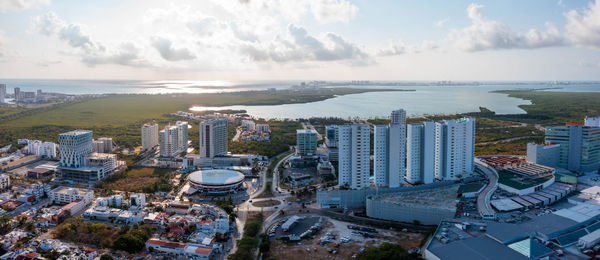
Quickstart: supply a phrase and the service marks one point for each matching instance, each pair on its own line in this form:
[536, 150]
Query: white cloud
[165, 47]
[398, 48]
[441, 23]
[91, 53]
[126, 54]
[206, 26]
[18, 5]
[584, 29]
[330, 11]
[484, 34]
[297, 46]
[48, 24]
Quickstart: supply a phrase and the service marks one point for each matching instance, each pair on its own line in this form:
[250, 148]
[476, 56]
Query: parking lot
[338, 247]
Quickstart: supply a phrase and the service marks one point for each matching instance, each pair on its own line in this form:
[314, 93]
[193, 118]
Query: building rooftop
[532, 170]
[306, 131]
[530, 248]
[101, 156]
[441, 197]
[164, 243]
[481, 247]
[77, 132]
[72, 191]
[547, 224]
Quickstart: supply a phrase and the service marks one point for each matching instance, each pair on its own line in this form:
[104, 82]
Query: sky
[239, 40]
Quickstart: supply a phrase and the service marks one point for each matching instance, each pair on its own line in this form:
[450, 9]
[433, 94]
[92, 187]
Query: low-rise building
[65, 195]
[75, 207]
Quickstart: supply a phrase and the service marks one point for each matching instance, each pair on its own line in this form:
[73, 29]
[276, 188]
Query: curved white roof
[216, 177]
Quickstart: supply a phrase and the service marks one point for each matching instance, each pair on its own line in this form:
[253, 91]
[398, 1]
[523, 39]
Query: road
[307, 125]
[238, 134]
[483, 200]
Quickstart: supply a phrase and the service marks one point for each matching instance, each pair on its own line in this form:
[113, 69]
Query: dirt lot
[305, 249]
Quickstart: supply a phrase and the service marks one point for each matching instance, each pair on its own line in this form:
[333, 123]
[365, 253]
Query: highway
[483, 200]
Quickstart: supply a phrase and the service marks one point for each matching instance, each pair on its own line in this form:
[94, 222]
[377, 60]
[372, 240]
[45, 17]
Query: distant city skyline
[300, 40]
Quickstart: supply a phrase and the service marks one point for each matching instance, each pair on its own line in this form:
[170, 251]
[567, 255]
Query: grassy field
[555, 107]
[138, 179]
[119, 110]
[121, 116]
[512, 180]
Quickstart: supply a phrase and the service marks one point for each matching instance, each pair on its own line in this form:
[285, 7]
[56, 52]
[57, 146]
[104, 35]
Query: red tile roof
[203, 250]
[70, 205]
[165, 243]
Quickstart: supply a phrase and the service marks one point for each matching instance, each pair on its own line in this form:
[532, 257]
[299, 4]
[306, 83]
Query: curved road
[483, 200]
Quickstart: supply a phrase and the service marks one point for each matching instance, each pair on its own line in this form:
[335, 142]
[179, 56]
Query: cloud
[206, 26]
[165, 48]
[127, 54]
[398, 48]
[91, 53]
[18, 5]
[441, 23]
[584, 29]
[297, 46]
[484, 34]
[330, 11]
[50, 24]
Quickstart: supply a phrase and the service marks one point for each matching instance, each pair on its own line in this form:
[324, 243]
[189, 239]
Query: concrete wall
[357, 198]
[382, 209]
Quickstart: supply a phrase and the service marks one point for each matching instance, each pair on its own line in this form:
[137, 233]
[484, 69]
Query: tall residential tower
[149, 136]
[213, 137]
[454, 148]
[420, 153]
[354, 156]
[390, 151]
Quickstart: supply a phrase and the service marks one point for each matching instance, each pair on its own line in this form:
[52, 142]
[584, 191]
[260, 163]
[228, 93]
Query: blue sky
[305, 39]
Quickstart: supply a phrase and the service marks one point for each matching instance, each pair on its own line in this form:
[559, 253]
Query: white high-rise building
[420, 153]
[390, 160]
[172, 140]
[48, 150]
[2, 93]
[306, 141]
[454, 148]
[354, 156]
[103, 145]
[213, 137]
[73, 148]
[149, 136]
[592, 121]
[183, 134]
[380, 161]
[169, 141]
[397, 148]
[41, 149]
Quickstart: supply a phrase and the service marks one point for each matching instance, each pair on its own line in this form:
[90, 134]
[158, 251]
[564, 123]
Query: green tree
[106, 257]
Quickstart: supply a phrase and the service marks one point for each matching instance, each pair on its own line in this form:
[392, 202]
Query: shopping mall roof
[481, 247]
[216, 177]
